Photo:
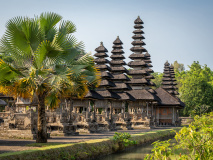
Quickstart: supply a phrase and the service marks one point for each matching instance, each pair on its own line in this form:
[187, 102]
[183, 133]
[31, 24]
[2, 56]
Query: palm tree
[44, 61]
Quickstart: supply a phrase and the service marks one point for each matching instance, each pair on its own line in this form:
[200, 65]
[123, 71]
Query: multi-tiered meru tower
[120, 78]
[142, 108]
[103, 108]
[168, 82]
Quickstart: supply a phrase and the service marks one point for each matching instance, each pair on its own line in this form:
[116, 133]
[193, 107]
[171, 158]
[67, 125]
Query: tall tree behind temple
[196, 89]
[158, 76]
[178, 66]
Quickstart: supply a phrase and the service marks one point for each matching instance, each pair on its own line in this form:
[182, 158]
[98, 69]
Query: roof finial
[118, 37]
[101, 43]
[138, 16]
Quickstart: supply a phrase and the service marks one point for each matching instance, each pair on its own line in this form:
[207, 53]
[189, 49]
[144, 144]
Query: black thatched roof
[136, 63]
[138, 26]
[136, 56]
[149, 65]
[116, 62]
[138, 81]
[138, 49]
[121, 77]
[138, 36]
[101, 55]
[107, 83]
[147, 55]
[101, 60]
[169, 87]
[168, 82]
[106, 75]
[149, 70]
[138, 43]
[120, 51]
[150, 77]
[121, 86]
[108, 94]
[138, 31]
[103, 67]
[101, 48]
[143, 95]
[117, 46]
[152, 91]
[120, 69]
[117, 56]
[118, 41]
[137, 72]
[93, 95]
[138, 21]
[166, 99]
[148, 61]
[126, 96]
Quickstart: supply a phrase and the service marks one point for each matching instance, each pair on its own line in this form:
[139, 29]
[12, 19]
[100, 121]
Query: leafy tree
[43, 61]
[178, 66]
[196, 90]
[193, 142]
[158, 79]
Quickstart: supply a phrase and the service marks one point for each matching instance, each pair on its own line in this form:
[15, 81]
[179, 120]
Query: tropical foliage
[195, 87]
[193, 142]
[43, 61]
[123, 139]
[157, 79]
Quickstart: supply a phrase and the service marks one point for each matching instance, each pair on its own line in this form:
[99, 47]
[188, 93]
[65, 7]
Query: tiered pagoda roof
[106, 84]
[167, 99]
[119, 71]
[168, 82]
[140, 64]
[141, 58]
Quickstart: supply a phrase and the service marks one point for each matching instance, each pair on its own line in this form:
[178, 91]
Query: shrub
[193, 142]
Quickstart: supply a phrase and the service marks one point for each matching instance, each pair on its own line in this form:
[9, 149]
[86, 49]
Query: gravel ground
[12, 145]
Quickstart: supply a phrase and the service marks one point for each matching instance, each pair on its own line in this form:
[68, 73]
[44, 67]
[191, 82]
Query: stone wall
[19, 134]
[186, 120]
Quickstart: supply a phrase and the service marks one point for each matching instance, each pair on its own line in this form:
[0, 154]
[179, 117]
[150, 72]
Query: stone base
[17, 134]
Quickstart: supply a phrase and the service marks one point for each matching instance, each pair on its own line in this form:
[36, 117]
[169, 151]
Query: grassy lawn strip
[44, 144]
[83, 150]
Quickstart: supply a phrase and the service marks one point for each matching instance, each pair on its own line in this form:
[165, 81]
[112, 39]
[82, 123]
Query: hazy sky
[179, 30]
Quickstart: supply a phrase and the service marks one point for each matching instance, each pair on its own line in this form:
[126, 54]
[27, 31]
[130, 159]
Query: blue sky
[179, 30]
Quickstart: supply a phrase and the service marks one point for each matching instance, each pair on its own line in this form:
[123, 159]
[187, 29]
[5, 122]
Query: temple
[169, 105]
[140, 110]
[125, 98]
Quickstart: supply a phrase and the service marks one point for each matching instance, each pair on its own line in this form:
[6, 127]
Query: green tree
[196, 89]
[44, 61]
[193, 142]
[178, 66]
[158, 79]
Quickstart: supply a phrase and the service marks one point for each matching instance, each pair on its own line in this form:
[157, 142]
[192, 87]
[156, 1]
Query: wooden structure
[120, 79]
[103, 108]
[142, 109]
[166, 113]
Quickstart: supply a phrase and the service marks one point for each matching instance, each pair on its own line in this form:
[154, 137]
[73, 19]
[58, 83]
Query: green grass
[44, 144]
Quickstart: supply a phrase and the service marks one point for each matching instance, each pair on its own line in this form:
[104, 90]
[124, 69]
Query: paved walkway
[11, 145]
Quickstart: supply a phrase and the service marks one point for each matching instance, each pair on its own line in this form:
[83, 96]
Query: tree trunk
[41, 125]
